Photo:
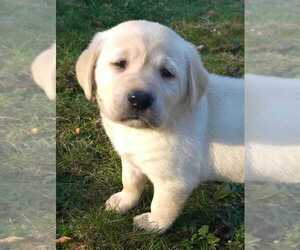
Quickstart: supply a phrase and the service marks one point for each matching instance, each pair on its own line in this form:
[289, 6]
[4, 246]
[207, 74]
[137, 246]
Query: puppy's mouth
[137, 121]
[146, 120]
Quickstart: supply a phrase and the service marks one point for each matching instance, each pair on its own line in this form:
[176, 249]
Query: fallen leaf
[200, 47]
[11, 240]
[34, 131]
[63, 240]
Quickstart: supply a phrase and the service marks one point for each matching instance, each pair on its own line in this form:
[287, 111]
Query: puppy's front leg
[133, 184]
[168, 200]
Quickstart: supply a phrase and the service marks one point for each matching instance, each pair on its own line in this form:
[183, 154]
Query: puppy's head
[143, 73]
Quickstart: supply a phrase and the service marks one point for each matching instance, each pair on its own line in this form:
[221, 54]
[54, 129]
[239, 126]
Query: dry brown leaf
[34, 131]
[200, 47]
[11, 240]
[63, 240]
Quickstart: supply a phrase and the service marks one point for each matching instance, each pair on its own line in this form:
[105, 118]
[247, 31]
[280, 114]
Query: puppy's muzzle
[140, 109]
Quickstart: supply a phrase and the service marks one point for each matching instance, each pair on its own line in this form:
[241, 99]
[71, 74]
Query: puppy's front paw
[121, 202]
[147, 222]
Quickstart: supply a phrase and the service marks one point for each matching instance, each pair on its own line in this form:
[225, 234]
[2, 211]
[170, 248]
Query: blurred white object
[272, 129]
[44, 71]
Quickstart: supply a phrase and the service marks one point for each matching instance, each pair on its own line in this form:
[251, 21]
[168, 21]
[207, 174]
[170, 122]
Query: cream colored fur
[194, 133]
[44, 71]
[273, 129]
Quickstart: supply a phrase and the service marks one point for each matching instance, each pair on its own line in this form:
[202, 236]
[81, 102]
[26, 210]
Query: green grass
[88, 169]
[272, 48]
[272, 38]
[27, 165]
[272, 216]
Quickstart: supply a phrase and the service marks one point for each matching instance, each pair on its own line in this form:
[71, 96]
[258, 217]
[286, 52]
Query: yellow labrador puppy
[170, 121]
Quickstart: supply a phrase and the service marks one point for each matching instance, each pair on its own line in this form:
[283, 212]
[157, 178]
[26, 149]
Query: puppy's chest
[140, 146]
[159, 156]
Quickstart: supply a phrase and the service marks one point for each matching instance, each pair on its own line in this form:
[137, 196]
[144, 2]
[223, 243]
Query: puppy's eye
[165, 73]
[122, 64]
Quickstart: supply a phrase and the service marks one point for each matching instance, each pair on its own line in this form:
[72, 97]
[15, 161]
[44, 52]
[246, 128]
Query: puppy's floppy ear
[86, 63]
[43, 71]
[197, 76]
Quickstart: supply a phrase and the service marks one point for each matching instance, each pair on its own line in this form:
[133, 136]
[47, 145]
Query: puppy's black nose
[140, 100]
